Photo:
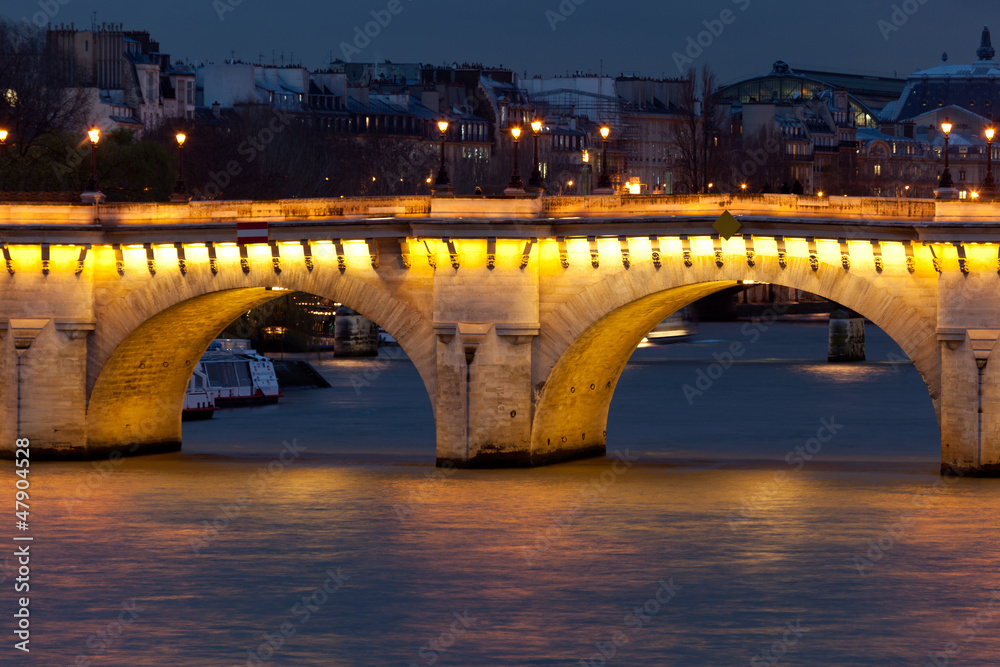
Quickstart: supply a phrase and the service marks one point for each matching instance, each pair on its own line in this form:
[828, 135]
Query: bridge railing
[500, 208]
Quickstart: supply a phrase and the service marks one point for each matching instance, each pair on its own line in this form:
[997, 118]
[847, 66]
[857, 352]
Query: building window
[878, 170]
[961, 175]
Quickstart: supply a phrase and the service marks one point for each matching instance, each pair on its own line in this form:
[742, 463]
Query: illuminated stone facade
[518, 314]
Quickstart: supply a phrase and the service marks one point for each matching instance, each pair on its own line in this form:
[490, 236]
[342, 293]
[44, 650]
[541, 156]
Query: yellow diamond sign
[727, 225]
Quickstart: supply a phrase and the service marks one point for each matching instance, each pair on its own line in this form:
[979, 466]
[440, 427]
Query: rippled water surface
[697, 544]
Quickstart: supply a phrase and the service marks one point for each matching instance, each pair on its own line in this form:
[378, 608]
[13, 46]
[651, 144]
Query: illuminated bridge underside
[519, 315]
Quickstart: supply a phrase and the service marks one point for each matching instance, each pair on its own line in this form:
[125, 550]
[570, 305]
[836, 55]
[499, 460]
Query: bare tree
[699, 144]
[762, 163]
[36, 99]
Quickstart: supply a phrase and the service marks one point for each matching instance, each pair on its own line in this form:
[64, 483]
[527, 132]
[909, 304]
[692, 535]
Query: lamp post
[179, 194]
[989, 189]
[3, 152]
[93, 192]
[535, 183]
[442, 184]
[946, 188]
[515, 187]
[604, 182]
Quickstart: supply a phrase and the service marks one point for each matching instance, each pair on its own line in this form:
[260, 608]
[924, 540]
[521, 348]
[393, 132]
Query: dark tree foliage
[35, 107]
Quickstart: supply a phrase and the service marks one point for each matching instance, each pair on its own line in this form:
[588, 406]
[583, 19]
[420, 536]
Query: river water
[318, 532]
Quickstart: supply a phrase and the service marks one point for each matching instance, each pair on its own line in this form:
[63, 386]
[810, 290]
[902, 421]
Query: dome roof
[973, 87]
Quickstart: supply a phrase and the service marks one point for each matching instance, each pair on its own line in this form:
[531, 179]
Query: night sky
[636, 37]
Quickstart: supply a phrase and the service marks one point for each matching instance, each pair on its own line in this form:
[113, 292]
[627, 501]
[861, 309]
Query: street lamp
[989, 189]
[515, 187]
[604, 182]
[535, 183]
[93, 192]
[442, 185]
[946, 188]
[180, 192]
[3, 152]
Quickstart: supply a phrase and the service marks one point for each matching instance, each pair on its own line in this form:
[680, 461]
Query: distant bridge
[518, 313]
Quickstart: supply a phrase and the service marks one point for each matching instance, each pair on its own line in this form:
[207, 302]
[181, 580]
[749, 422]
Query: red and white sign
[251, 232]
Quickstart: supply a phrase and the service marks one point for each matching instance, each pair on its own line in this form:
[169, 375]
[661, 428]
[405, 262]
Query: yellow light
[443, 126]
[635, 188]
[906, 188]
[3, 136]
[373, 179]
[989, 133]
[536, 126]
[975, 195]
[95, 135]
[946, 126]
[586, 156]
[605, 131]
[569, 183]
[743, 186]
[428, 179]
[516, 131]
[710, 185]
[819, 194]
[181, 138]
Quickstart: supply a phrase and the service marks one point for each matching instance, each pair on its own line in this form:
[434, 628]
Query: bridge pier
[44, 371]
[486, 326]
[484, 395]
[968, 330]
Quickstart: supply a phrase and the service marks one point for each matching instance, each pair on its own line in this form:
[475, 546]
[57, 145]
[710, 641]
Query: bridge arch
[586, 341]
[150, 338]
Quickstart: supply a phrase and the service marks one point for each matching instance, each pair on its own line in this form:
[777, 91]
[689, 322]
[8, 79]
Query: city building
[967, 96]
[132, 84]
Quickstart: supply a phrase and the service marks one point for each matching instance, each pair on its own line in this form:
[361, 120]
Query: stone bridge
[518, 313]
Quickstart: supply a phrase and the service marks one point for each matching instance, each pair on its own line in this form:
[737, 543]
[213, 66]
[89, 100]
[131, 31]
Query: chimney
[216, 110]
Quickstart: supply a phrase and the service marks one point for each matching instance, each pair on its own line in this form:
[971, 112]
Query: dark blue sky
[636, 37]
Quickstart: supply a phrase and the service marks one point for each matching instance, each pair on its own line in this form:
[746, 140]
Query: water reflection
[600, 544]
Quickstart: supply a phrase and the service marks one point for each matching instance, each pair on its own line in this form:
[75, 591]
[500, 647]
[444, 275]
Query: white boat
[231, 374]
[676, 328]
[198, 401]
